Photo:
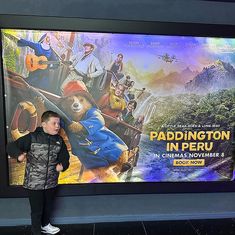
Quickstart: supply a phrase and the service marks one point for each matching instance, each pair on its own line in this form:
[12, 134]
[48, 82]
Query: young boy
[46, 155]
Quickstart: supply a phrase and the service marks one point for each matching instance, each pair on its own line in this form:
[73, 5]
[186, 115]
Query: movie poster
[134, 108]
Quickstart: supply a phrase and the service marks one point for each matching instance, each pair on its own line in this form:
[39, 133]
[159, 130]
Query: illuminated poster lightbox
[134, 107]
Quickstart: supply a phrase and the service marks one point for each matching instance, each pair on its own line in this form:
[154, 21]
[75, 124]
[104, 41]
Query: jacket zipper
[47, 161]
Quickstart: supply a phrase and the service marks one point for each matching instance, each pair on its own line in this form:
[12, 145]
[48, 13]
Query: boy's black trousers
[41, 203]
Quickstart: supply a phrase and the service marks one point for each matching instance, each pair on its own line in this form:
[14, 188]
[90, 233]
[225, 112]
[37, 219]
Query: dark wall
[126, 207]
[194, 11]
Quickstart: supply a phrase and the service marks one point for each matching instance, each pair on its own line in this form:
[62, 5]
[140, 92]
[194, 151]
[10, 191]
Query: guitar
[34, 62]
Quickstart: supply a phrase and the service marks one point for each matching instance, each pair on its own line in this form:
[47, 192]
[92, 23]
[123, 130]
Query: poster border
[108, 26]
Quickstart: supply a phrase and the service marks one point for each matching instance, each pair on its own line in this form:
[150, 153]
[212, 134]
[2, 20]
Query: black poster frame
[109, 26]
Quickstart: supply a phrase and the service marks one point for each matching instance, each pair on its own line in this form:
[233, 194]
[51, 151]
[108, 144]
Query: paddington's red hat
[77, 88]
[73, 87]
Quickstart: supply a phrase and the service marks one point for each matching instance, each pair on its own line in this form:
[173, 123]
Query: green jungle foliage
[180, 112]
[11, 55]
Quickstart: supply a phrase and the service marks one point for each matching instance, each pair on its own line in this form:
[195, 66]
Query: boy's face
[52, 126]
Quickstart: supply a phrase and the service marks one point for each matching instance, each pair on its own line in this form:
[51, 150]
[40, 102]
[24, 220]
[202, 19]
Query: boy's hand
[75, 127]
[21, 157]
[59, 167]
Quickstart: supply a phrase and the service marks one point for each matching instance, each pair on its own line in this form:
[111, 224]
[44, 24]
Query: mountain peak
[219, 75]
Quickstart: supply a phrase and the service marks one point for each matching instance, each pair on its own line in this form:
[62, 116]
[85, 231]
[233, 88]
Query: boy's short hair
[48, 114]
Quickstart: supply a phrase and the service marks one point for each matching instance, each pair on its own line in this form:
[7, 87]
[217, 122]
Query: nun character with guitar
[42, 63]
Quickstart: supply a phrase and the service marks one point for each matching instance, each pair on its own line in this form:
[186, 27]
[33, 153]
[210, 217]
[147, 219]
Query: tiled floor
[183, 227]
